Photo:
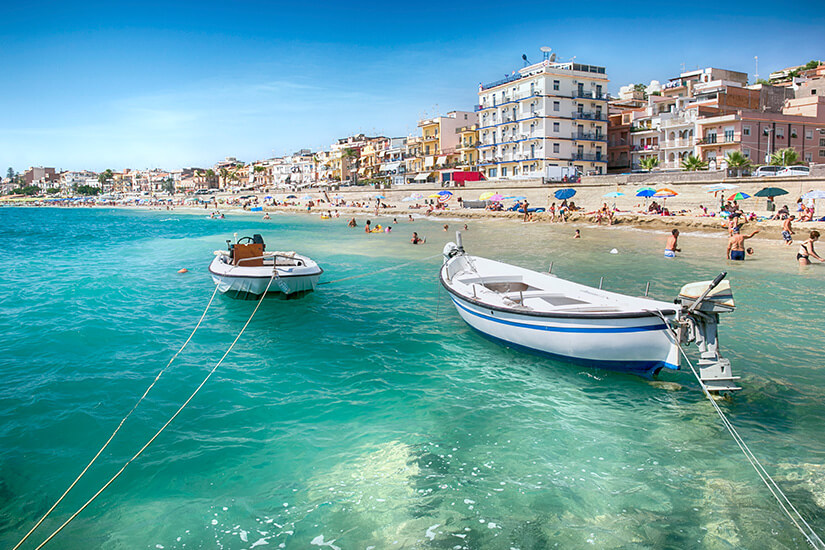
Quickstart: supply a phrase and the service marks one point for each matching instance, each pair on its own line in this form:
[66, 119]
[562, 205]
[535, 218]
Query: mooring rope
[123, 421]
[168, 422]
[784, 502]
[380, 270]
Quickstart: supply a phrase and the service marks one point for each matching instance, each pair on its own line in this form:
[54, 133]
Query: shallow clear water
[367, 413]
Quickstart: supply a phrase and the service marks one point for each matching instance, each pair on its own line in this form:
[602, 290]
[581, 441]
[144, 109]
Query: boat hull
[251, 282]
[638, 345]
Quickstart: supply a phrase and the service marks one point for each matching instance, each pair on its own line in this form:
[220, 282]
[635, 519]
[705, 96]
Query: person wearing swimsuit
[806, 250]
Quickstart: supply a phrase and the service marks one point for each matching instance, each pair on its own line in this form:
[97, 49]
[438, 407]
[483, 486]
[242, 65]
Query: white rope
[114, 433]
[152, 439]
[784, 502]
[379, 270]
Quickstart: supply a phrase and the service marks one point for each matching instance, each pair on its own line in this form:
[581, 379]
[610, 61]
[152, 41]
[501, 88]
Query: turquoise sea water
[367, 414]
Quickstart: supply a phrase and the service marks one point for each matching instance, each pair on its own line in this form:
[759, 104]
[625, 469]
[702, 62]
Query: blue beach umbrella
[613, 195]
[445, 193]
[646, 192]
[379, 197]
[519, 198]
[291, 197]
[563, 194]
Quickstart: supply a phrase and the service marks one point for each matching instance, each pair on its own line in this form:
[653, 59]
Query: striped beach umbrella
[665, 192]
[739, 196]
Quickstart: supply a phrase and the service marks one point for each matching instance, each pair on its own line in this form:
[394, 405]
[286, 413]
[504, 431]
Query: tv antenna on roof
[545, 50]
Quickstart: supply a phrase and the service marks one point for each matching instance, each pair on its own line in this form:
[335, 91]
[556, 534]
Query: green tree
[105, 177]
[763, 81]
[737, 161]
[785, 157]
[29, 190]
[169, 186]
[10, 173]
[52, 190]
[649, 163]
[87, 190]
[693, 163]
[211, 177]
[812, 64]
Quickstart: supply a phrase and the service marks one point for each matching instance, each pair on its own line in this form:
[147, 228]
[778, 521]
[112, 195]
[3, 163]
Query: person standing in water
[806, 249]
[736, 244]
[670, 247]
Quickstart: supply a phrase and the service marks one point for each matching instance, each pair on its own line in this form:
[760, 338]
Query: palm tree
[649, 163]
[737, 161]
[785, 157]
[693, 163]
[350, 154]
[261, 170]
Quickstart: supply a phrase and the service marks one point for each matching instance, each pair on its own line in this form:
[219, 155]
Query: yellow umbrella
[487, 195]
[434, 196]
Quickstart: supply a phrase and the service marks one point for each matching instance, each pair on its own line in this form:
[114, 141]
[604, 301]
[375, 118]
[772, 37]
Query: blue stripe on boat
[641, 368]
[645, 328]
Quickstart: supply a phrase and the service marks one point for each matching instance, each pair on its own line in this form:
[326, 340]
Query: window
[822, 142]
[556, 85]
[809, 134]
[809, 157]
[793, 133]
[746, 152]
[780, 132]
[555, 147]
[503, 171]
[556, 105]
[493, 172]
[729, 133]
[556, 127]
[746, 130]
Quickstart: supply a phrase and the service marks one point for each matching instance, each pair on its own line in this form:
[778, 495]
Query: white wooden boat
[541, 313]
[245, 269]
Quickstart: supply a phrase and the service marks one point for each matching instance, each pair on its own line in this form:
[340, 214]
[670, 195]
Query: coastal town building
[439, 146]
[468, 147]
[544, 115]
[41, 177]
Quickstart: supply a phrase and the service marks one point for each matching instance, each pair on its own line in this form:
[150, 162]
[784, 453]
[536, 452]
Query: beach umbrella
[306, 198]
[338, 197]
[407, 199]
[519, 198]
[445, 193]
[645, 192]
[612, 195]
[815, 194]
[291, 197]
[739, 196]
[434, 196]
[444, 198]
[417, 196]
[486, 195]
[379, 197]
[564, 194]
[268, 197]
[495, 198]
[720, 186]
[770, 192]
[664, 193]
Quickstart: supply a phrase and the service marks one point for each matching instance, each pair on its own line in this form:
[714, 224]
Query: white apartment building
[391, 155]
[544, 115]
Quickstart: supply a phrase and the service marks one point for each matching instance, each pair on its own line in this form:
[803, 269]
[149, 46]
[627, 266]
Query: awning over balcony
[422, 176]
[442, 160]
[429, 162]
[390, 167]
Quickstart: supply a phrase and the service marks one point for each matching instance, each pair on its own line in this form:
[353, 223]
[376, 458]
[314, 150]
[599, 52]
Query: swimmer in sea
[736, 244]
[670, 247]
[446, 227]
[416, 239]
[267, 217]
[577, 234]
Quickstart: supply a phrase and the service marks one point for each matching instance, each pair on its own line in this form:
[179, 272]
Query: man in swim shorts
[670, 247]
[736, 244]
[787, 231]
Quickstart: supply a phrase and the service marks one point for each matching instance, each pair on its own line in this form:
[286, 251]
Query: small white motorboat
[246, 268]
[544, 314]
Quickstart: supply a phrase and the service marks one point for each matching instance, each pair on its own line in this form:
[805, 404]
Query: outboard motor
[702, 303]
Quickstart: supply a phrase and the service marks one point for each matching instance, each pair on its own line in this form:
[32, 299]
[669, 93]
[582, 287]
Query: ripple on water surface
[367, 414]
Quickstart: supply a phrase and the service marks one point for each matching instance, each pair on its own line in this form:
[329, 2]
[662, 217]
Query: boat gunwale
[237, 276]
[559, 315]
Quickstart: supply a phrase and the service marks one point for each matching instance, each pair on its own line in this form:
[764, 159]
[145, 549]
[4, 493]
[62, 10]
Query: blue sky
[149, 84]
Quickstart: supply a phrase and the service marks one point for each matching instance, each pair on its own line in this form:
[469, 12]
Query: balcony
[598, 157]
[635, 129]
[595, 136]
[587, 115]
[676, 143]
[586, 94]
[511, 78]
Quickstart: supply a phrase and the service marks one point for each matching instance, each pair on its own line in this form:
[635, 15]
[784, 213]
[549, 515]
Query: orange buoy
[184, 270]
